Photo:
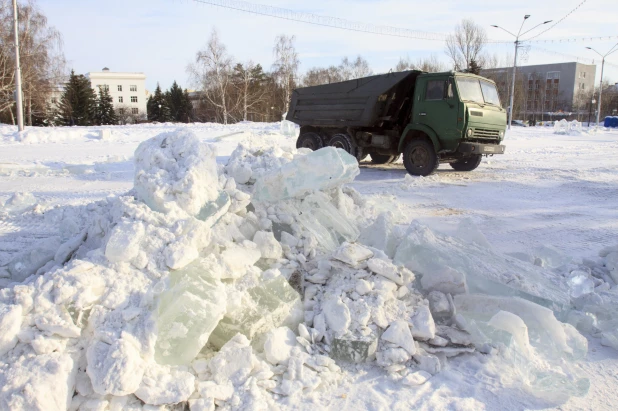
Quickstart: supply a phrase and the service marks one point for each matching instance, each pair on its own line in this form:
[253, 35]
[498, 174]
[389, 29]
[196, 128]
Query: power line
[569, 56]
[326, 21]
[558, 22]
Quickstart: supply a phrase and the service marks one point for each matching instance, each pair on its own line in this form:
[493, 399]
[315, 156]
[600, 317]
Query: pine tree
[186, 113]
[77, 104]
[157, 107]
[105, 108]
[474, 68]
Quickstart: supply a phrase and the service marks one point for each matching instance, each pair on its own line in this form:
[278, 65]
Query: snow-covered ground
[550, 190]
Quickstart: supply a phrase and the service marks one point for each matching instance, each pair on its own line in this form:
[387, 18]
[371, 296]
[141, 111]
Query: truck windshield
[471, 89]
[490, 94]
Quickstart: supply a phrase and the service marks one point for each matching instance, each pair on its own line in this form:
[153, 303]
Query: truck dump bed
[364, 102]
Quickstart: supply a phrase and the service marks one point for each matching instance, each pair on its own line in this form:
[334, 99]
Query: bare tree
[42, 59]
[285, 66]
[347, 70]
[430, 64]
[466, 44]
[211, 72]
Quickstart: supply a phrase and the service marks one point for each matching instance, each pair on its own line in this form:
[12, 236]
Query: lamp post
[517, 42]
[613, 49]
[18, 92]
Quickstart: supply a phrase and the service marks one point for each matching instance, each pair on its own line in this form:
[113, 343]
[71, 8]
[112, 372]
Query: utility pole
[517, 45]
[613, 49]
[18, 94]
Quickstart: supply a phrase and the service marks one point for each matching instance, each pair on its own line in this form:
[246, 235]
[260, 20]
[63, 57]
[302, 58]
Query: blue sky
[161, 37]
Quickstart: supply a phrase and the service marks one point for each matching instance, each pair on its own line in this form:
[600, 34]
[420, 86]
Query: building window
[121, 111]
[54, 100]
[134, 110]
[133, 88]
[583, 74]
[119, 87]
[120, 100]
[133, 99]
[104, 87]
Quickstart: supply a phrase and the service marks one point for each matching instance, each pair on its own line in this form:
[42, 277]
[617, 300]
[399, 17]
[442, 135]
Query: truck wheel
[382, 158]
[309, 140]
[467, 164]
[344, 142]
[420, 158]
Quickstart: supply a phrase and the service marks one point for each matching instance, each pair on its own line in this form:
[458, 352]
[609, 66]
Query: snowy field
[551, 198]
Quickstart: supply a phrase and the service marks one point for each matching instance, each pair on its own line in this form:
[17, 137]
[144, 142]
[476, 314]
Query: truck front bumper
[478, 148]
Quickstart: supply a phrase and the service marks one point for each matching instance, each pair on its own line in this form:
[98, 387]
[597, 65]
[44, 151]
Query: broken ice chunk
[549, 336]
[416, 378]
[124, 241]
[446, 280]
[549, 256]
[319, 170]
[175, 169]
[352, 254]
[278, 345]
[337, 316]
[165, 385]
[238, 259]
[212, 211]
[10, 324]
[511, 323]
[188, 313]
[323, 220]
[267, 244]
[424, 251]
[354, 348]
[423, 326]
[385, 269]
[271, 304]
[398, 333]
[115, 369]
[580, 284]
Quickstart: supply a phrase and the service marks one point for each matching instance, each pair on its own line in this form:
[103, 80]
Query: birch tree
[285, 66]
[211, 72]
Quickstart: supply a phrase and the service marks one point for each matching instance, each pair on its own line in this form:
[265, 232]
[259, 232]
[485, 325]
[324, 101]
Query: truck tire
[383, 158]
[467, 164]
[420, 158]
[344, 142]
[310, 140]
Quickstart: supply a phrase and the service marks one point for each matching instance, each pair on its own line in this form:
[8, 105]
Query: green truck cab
[430, 118]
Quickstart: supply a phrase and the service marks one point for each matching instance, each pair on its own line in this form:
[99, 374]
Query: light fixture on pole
[613, 49]
[517, 42]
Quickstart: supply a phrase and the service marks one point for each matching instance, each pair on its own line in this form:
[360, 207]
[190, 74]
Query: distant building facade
[546, 90]
[128, 91]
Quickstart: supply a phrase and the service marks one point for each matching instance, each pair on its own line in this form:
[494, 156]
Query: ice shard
[269, 305]
[188, 313]
[486, 271]
[323, 220]
[326, 168]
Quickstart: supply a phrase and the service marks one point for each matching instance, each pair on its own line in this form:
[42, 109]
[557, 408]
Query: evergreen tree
[474, 68]
[179, 104]
[77, 104]
[105, 108]
[186, 113]
[157, 107]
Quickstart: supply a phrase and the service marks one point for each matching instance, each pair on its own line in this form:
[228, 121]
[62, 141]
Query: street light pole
[517, 42]
[613, 49]
[18, 93]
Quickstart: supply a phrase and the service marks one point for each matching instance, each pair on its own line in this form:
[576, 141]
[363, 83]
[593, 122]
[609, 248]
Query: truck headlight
[501, 134]
[470, 132]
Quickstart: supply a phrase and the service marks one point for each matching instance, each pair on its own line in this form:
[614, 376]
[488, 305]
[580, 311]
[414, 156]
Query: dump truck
[430, 118]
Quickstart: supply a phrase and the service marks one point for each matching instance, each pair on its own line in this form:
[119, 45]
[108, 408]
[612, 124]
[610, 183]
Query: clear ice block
[188, 313]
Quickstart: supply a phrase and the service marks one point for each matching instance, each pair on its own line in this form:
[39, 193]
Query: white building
[128, 90]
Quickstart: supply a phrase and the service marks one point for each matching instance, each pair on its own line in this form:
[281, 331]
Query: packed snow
[218, 267]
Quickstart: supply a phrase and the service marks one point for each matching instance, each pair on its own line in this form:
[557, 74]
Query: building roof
[115, 74]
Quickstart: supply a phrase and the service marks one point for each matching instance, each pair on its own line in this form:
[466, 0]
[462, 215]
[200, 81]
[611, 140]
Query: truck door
[436, 107]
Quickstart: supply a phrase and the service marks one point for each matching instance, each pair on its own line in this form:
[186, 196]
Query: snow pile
[237, 287]
[19, 203]
[567, 127]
